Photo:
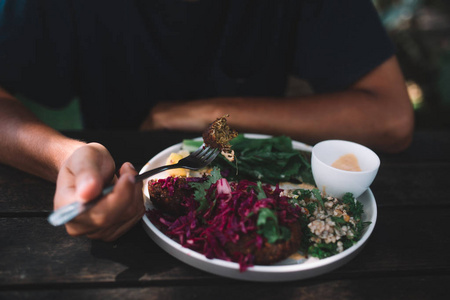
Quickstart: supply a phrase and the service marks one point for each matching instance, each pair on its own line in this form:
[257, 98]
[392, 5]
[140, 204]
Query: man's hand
[82, 177]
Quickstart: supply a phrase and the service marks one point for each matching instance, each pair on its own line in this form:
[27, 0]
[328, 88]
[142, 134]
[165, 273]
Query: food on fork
[218, 135]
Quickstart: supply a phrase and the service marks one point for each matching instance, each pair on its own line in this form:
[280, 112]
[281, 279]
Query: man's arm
[80, 170]
[375, 111]
[28, 144]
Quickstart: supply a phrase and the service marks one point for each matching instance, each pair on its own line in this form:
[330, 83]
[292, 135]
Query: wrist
[62, 148]
[194, 115]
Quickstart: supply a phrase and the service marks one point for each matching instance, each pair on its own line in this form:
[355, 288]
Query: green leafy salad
[329, 225]
[269, 160]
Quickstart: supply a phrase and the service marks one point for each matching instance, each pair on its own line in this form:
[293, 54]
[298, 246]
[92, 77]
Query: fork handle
[68, 212]
[155, 171]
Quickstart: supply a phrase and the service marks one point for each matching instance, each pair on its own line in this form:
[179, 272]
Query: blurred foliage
[420, 30]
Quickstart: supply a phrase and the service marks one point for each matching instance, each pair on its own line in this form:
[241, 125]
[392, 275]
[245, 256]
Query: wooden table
[407, 256]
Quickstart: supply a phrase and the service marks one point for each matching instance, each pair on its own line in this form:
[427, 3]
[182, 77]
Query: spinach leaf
[269, 160]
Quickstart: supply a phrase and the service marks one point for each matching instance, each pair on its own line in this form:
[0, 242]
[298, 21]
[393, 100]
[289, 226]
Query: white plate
[284, 271]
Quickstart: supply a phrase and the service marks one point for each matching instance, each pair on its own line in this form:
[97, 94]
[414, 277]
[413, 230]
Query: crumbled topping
[218, 135]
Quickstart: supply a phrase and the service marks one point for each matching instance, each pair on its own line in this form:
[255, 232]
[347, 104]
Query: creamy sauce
[347, 162]
[297, 256]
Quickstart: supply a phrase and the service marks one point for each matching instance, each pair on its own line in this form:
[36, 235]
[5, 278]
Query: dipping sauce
[347, 162]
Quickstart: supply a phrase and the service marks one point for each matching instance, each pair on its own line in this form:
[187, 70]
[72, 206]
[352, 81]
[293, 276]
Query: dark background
[420, 30]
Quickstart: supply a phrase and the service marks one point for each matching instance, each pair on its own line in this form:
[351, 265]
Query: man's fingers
[124, 193]
[113, 215]
[88, 185]
[127, 168]
[92, 168]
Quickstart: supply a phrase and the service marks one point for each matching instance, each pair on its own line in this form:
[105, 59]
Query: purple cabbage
[232, 212]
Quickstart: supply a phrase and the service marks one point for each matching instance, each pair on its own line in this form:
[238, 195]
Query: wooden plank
[33, 252]
[406, 240]
[427, 146]
[410, 288]
[23, 193]
[417, 184]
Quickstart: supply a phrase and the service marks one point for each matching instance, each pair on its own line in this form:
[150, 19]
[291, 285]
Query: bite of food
[218, 135]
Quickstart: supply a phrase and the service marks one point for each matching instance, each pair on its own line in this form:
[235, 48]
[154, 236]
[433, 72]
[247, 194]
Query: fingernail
[131, 166]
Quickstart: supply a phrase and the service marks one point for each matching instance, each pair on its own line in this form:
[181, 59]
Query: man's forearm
[375, 111]
[353, 115]
[311, 119]
[28, 144]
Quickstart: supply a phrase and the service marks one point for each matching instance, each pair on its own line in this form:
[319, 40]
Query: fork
[198, 159]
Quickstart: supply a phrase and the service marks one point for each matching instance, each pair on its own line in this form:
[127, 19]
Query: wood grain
[405, 258]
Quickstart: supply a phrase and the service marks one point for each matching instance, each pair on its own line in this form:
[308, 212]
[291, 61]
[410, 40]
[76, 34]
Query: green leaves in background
[270, 160]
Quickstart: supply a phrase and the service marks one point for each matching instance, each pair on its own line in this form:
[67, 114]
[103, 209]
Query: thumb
[91, 167]
[88, 184]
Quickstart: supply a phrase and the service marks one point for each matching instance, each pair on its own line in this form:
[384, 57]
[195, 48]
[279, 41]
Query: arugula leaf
[318, 196]
[267, 223]
[260, 191]
[285, 233]
[264, 214]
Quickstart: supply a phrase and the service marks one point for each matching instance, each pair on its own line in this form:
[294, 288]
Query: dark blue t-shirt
[120, 57]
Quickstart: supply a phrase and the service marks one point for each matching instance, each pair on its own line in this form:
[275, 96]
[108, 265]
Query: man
[179, 65]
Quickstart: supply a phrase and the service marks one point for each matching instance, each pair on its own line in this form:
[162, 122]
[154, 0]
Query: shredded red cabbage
[232, 212]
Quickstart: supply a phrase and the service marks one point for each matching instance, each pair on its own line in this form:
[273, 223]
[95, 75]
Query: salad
[241, 211]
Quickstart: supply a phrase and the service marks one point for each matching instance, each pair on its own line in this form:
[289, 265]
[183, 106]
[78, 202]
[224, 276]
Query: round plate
[286, 270]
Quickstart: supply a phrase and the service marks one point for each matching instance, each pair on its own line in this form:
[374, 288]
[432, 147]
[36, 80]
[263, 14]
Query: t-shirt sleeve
[338, 42]
[32, 61]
